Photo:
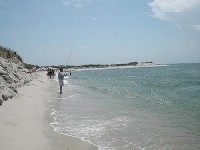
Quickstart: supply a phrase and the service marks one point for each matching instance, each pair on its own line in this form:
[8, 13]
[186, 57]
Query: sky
[77, 32]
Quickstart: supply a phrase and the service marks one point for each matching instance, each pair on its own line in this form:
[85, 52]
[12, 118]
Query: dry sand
[25, 121]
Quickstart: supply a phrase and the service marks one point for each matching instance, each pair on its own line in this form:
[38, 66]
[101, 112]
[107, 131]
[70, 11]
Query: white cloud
[110, 1]
[81, 3]
[65, 3]
[194, 27]
[84, 47]
[161, 8]
[180, 12]
[75, 3]
[95, 19]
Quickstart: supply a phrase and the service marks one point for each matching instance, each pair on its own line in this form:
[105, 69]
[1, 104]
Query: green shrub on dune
[9, 54]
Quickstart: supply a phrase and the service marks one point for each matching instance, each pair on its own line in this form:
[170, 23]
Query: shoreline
[25, 120]
[120, 67]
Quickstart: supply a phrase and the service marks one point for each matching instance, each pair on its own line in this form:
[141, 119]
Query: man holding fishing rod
[62, 74]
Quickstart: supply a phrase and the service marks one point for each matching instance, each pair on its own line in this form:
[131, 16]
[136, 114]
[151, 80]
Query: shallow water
[132, 108]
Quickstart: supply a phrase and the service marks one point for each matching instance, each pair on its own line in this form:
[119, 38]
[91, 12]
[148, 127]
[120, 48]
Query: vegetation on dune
[9, 54]
[30, 66]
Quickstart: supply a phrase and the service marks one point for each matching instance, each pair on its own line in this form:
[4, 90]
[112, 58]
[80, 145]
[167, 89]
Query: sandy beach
[25, 120]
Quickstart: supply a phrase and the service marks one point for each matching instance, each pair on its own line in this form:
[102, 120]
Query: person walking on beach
[61, 75]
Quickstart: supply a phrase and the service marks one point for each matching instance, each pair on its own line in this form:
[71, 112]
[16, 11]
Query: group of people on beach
[51, 73]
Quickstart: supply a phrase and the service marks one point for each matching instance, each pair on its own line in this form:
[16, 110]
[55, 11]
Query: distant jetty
[102, 66]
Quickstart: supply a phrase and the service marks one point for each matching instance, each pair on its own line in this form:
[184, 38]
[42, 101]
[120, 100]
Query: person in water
[61, 75]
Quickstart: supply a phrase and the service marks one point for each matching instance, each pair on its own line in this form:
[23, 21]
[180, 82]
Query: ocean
[143, 108]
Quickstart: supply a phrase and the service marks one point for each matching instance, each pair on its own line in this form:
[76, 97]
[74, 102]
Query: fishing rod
[69, 57]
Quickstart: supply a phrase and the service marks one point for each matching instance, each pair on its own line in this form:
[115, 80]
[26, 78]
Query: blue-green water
[132, 108]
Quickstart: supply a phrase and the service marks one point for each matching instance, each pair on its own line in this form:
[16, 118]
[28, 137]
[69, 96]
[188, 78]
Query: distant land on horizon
[135, 63]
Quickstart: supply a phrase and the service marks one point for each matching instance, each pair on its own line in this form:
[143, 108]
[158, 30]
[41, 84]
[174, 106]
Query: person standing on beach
[53, 73]
[61, 75]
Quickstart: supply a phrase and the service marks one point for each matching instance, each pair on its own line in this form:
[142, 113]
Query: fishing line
[69, 56]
